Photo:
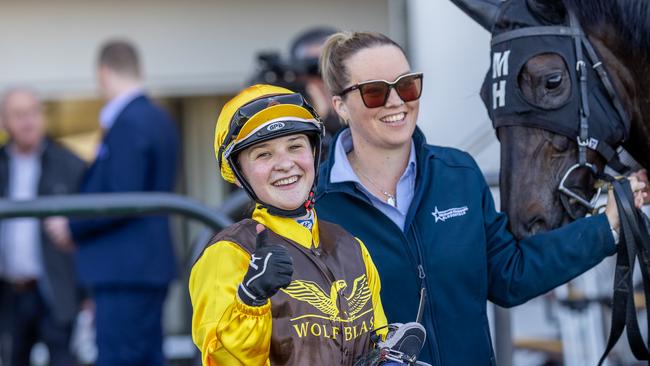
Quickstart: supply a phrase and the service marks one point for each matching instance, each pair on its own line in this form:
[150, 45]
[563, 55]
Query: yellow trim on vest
[229, 332]
[288, 227]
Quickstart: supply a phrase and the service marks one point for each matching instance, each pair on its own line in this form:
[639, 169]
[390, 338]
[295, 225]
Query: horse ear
[548, 11]
[484, 12]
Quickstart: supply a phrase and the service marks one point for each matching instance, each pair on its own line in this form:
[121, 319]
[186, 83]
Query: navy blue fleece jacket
[458, 247]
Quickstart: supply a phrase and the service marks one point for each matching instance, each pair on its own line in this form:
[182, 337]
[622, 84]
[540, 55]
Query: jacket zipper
[419, 266]
[418, 263]
[433, 338]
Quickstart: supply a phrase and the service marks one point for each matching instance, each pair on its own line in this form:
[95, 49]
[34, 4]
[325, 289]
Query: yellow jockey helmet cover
[260, 113]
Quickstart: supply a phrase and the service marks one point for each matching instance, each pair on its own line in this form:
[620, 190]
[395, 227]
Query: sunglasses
[374, 93]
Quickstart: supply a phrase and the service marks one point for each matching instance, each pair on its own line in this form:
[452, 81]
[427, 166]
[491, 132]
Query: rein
[633, 244]
[634, 239]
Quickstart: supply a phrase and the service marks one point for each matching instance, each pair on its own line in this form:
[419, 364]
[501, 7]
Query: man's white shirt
[21, 241]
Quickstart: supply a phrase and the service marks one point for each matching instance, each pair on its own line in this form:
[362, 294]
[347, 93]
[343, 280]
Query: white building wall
[453, 52]
[188, 47]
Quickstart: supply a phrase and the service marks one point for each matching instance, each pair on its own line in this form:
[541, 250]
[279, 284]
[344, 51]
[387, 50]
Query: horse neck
[639, 142]
[631, 77]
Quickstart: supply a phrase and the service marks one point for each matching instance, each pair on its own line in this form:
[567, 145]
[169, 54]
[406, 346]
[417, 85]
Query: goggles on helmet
[241, 134]
[237, 132]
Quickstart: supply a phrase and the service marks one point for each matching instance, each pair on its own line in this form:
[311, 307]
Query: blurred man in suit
[35, 265]
[128, 262]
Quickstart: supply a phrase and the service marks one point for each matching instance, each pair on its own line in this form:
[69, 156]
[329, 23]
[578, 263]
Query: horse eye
[554, 81]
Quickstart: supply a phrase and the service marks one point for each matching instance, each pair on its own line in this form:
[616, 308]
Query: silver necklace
[390, 199]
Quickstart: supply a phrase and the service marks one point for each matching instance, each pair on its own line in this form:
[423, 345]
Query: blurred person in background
[301, 74]
[128, 262]
[304, 54]
[34, 264]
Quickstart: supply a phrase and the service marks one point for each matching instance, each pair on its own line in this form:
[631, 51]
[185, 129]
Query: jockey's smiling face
[280, 171]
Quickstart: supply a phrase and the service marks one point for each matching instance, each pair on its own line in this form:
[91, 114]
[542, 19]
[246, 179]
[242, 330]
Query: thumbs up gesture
[269, 270]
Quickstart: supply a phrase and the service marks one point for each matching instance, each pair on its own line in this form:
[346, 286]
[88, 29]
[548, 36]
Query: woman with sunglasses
[426, 212]
[284, 287]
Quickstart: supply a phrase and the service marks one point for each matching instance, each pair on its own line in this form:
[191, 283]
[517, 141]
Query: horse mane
[630, 19]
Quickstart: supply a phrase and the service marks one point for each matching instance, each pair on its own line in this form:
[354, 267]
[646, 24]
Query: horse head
[534, 96]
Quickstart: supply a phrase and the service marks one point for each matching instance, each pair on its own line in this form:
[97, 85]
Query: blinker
[592, 114]
[505, 102]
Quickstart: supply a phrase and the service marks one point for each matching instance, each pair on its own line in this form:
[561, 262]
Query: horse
[537, 100]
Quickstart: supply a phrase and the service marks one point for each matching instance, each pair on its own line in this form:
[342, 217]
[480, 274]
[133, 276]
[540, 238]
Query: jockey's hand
[270, 269]
[638, 187]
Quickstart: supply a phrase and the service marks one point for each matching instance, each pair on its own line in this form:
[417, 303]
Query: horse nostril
[535, 225]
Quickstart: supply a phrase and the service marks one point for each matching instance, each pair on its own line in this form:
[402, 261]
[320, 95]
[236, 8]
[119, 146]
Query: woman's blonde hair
[338, 48]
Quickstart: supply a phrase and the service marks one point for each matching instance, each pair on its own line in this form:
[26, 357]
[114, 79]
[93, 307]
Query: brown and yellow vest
[325, 316]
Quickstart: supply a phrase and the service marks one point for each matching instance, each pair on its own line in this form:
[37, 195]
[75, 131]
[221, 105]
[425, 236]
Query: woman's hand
[638, 187]
[642, 176]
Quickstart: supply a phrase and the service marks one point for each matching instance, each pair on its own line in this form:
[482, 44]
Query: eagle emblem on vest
[328, 304]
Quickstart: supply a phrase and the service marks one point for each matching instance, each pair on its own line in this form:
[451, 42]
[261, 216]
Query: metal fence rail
[114, 204]
[176, 348]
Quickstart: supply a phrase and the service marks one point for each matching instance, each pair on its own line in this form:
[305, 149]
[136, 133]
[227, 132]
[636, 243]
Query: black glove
[269, 270]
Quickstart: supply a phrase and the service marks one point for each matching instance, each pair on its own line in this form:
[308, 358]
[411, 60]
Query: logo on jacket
[449, 213]
[328, 305]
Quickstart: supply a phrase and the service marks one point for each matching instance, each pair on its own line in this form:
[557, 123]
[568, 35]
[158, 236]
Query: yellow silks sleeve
[227, 331]
[375, 286]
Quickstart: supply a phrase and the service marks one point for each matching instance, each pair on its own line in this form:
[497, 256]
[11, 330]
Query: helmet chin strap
[301, 210]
